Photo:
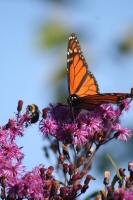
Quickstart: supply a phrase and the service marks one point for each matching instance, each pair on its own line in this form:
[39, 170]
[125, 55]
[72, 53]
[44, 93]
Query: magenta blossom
[122, 133]
[87, 125]
[123, 194]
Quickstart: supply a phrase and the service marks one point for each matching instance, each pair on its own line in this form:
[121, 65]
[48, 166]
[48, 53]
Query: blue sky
[26, 69]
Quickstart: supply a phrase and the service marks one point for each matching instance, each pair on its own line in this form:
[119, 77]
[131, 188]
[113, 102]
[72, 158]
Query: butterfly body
[82, 85]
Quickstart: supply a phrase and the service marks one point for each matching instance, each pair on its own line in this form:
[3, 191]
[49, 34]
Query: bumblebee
[33, 112]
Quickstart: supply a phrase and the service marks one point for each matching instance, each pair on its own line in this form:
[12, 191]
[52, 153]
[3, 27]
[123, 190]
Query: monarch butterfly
[82, 85]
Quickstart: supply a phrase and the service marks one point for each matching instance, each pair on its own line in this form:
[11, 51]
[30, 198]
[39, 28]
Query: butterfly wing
[82, 85]
[81, 82]
[91, 101]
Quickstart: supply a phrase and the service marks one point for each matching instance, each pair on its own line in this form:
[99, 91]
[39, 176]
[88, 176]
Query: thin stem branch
[90, 161]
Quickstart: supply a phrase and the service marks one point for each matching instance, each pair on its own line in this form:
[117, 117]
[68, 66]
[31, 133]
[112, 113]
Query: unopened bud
[65, 150]
[77, 187]
[63, 191]
[76, 177]
[84, 188]
[121, 171]
[65, 168]
[81, 161]
[45, 113]
[71, 169]
[42, 171]
[90, 152]
[49, 172]
[127, 181]
[83, 173]
[88, 178]
[106, 177]
[20, 104]
[110, 191]
[103, 194]
[130, 166]
[61, 158]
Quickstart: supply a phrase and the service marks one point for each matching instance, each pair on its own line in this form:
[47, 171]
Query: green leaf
[115, 166]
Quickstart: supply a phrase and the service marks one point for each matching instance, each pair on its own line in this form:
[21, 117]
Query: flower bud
[49, 172]
[61, 158]
[98, 197]
[130, 166]
[76, 188]
[121, 171]
[88, 178]
[83, 173]
[65, 168]
[42, 171]
[84, 188]
[127, 181]
[71, 169]
[63, 191]
[81, 161]
[89, 152]
[20, 104]
[76, 177]
[65, 150]
[103, 194]
[110, 191]
[45, 113]
[106, 177]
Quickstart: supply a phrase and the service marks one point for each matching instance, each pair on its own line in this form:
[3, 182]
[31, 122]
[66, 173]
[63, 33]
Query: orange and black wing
[91, 101]
[81, 82]
[82, 85]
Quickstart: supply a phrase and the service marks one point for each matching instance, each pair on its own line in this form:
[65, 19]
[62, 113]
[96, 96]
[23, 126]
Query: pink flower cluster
[101, 123]
[89, 127]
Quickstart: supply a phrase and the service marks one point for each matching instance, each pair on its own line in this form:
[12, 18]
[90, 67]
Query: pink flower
[122, 133]
[80, 135]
